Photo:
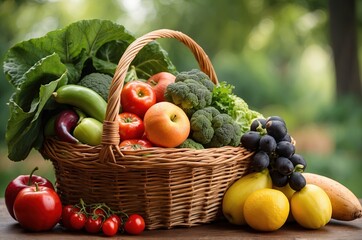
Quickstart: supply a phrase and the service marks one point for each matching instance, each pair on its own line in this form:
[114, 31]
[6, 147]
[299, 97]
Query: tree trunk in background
[345, 49]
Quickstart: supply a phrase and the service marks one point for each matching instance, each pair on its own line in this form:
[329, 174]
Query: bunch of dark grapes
[274, 149]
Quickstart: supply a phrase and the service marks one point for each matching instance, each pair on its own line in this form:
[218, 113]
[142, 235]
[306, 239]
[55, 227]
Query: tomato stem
[31, 176]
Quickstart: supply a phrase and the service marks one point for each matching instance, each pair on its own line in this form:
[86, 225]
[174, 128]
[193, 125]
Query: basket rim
[155, 157]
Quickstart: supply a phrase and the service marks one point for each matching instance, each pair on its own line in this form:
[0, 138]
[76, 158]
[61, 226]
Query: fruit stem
[131, 74]
[31, 176]
[299, 168]
[261, 130]
[153, 82]
[173, 117]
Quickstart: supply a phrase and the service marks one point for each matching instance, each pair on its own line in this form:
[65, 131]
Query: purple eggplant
[65, 123]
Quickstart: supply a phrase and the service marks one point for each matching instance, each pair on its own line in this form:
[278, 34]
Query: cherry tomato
[135, 224]
[93, 224]
[37, 208]
[137, 97]
[67, 211]
[99, 212]
[110, 227]
[77, 220]
[135, 144]
[130, 126]
[117, 219]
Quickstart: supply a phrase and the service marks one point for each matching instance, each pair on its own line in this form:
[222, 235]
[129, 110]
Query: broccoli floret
[191, 91]
[198, 75]
[189, 143]
[214, 129]
[98, 82]
[201, 124]
[227, 131]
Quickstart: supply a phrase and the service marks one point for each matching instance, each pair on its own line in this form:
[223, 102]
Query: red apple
[21, 182]
[166, 125]
[159, 82]
[38, 208]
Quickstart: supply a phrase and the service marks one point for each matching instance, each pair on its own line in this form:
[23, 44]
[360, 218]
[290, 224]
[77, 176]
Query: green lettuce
[227, 102]
[37, 67]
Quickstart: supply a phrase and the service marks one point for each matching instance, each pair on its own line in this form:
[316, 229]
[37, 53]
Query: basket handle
[110, 136]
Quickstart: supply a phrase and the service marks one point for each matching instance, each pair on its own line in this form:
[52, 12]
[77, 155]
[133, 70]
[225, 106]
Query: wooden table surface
[9, 229]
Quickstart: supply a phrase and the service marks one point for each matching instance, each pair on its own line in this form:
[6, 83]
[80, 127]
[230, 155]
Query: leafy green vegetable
[39, 66]
[227, 102]
[98, 82]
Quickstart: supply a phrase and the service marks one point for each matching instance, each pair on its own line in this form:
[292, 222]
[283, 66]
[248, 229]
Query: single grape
[278, 179]
[285, 149]
[273, 118]
[297, 159]
[284, 166]
[276, 129]
[257, 123]
[267, 144]
[287, 138]
[297, 181]
[250, 140]
[260, 161]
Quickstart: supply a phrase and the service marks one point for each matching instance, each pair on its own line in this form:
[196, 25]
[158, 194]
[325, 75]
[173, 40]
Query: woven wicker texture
[169, 187]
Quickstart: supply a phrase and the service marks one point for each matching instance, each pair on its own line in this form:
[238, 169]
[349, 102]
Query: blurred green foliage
[276, 53]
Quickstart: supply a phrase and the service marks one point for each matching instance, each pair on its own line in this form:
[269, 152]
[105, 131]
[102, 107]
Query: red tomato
[130, 126]
[137, 97]
[135, 144]
[67, 211]
[135, 224]
[38, 208]
[77, 220]
[159, 83]
[93, 224]
[117, 219]
[110, 227]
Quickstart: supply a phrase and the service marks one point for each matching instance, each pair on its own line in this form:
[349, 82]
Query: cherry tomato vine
[100, 218]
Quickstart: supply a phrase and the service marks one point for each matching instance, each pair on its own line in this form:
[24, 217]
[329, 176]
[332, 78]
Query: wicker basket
[169, 187]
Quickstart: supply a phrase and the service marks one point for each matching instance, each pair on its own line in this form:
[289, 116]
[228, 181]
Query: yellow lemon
[266, 209]
[311, 207]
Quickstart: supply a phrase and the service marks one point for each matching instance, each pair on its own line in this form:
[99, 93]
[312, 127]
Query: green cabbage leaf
[37, 67]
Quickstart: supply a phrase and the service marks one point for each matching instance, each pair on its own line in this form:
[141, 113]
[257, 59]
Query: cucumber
[86, 99]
